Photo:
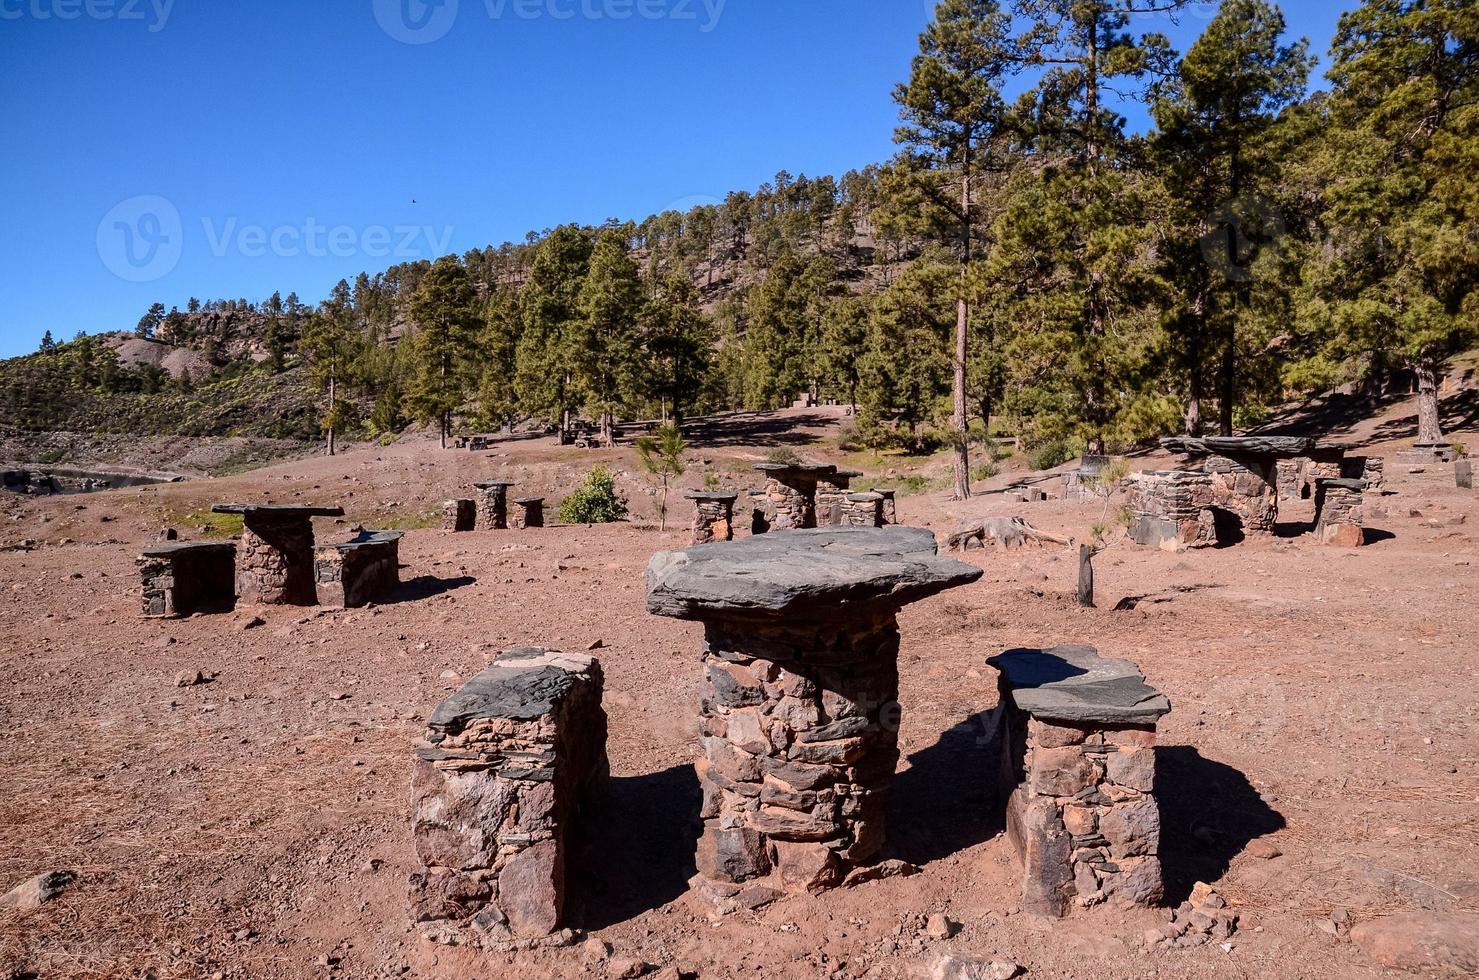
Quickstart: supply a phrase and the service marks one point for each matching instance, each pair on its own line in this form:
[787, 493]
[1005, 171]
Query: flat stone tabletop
[796, 573]
[1075, 684]
[1242, 445]
[529, 500]
[1344, 483]
[277, 510]
[366, 539]
[165, 550]
[806, 469]
[719, 495]
[523, 684]
[491, 484]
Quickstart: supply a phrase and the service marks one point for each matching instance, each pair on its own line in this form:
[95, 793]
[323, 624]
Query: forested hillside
[1068, 281]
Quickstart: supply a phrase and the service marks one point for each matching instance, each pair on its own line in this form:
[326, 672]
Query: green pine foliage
[595, 501]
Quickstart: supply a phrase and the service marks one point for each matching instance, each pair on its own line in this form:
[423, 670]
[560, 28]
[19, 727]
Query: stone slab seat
[803, 573]
[1075, 684]
[356, 572]
[718, 496]
[499, 781]
[287, 511]
[188, 577]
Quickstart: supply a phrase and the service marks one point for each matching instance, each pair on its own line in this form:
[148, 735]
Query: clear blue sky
[288, 138]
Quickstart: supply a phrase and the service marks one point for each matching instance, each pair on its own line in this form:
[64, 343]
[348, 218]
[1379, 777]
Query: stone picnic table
[800, 705]
[1244, 471]
[275, 566]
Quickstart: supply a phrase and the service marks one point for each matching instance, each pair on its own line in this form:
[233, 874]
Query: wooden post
[1086, 576]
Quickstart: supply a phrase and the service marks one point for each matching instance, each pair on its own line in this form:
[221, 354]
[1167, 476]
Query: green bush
[595, 501]
[984, 471]
[1056, 452]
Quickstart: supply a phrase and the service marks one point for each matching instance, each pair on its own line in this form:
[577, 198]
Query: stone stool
[459, 515]
[360, 570]
[1077, 733]
[1427, 452]
[492, 505]
[890, 504]
[831, 496]
[799, 710]
[496, 788]
[863, 510]
[792, 489]
[713, 518]
[1171, 509]
[194, 576]
[275, 566]
[1463, 474]
[1340, 514]
[531, 512]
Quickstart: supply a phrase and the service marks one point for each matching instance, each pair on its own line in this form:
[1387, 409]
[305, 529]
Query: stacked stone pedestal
[459, 515]
[831, 497]
[180, 579]
[1171, 509]
[713, 518]
[1247, 488]
[496, 790]
[890, 505]
[1077, 733]
[492, 505]
[529, 513]
[359, 571]
[799, 712]
[863, 510]
[275, 561]
[1340, 513]
[791, 490]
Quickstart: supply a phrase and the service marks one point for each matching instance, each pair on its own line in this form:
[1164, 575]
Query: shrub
[984, 471]
[1053, 453]
[595, 501]
[783, 456]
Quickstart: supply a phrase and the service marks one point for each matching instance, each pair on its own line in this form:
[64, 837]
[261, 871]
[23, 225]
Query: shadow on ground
[424, 587]
[946, 801]
[1209, 813]
[637, 849]
[752, 429]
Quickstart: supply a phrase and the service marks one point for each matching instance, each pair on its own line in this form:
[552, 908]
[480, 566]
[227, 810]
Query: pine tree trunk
[1429, 426]
[962, 345]
[446, 425]
[333, 386]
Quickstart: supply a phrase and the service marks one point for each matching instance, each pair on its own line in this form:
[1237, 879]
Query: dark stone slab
[802, 469]
[526, 501]
[277, 510]
[509, 688]
[1075, 684]
[864, 498]
[1234, 446]
[369, 539]
[491, 484]
[720, 496]
[1343, 483]
[188, 547]
[798, 573]
[849, 474]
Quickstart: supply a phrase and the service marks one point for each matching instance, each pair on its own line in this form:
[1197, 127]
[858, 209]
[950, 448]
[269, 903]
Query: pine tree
[327, 346]
[545, 378]
[605, 335]
[953, 111]
[444, 311]
[48, 346]
[150, 321]
[497, 345]
[676, 341]
[844, 334]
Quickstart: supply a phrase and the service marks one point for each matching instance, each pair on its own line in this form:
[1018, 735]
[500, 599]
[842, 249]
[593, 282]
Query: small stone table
[492, 505]
[799, 711]
[496, 789]
[1244, 471]
[1427, 452]
[460, 515]
[531, 512]
[831, 496]
[1077, 733]
[890, 504]
[360, 570]
[1340, 513]
[275, 566]
[863, 510]
[792, 490]
[189, 577]
[713, 518]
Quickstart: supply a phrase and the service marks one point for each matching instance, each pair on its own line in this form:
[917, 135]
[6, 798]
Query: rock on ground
[1422, 941]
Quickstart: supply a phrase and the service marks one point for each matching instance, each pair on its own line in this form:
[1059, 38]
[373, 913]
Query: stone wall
[1171, 509]
[799, 751]
[792, 502]
[831, 497]
[890, 504]
[355, 575]
[1463, 474]
[496, 790]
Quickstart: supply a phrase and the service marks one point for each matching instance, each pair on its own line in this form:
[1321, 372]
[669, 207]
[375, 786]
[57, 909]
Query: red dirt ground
[256, 826]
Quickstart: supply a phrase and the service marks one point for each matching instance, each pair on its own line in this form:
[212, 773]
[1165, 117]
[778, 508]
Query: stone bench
[1340, 513]
[459, 515]
[1428, 452]
[530, 514]
[492, 505]
[358, 571]
[713, 518]
[799, 709]
[496, 788]
[890, 504]
[863, 510]
[190, 577]
[791, 492]
[1077, 735]
[832, 491]
[1171, 509]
